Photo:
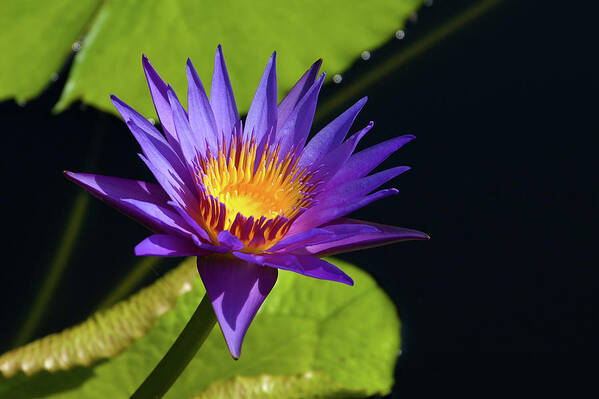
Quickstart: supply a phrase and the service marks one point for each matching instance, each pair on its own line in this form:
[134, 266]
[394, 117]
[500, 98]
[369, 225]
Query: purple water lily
[249, 199]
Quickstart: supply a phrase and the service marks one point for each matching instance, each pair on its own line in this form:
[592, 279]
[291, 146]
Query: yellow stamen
[267, 192]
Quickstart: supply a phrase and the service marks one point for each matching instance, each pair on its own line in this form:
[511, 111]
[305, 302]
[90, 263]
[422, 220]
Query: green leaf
[38, 34]
[310, 336]
[35, 40]
[307, 385]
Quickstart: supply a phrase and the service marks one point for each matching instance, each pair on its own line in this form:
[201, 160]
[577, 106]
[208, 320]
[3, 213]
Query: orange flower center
[254, 194]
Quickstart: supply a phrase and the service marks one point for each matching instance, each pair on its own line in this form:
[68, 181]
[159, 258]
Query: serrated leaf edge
[104, 334]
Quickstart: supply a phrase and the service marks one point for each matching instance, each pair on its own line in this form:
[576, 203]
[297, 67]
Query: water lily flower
[250, 198]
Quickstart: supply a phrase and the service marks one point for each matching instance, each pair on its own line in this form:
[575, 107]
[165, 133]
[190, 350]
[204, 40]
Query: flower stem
[180, 354]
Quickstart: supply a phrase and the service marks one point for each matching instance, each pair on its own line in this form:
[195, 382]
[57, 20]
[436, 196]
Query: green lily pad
[311, 338]
[35, 40]
[37, 36]
[307, 385]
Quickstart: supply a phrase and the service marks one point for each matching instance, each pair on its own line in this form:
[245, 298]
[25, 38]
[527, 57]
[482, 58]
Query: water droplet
[152, 121]
[400, 34]
[365, 55]
[76, 46]
[54, 77]
[337, 78]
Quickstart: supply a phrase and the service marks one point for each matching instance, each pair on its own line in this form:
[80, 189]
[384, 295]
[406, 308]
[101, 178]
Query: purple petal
[302, 264]
[171, 184]
[328, 166]
[385, 235]
[237, 289]
[144, 202]
[208, 247]
[228, 240]
[169, 246]
[169, 221]
[295, 131]
[192, 145]
[130, 115]
[262, 115]
[152, 143]
[116, 188]
[304, 238]
[319, 235]
[158, 90]
[222, 99]
[341, 230]
[190, 221]
[330, 136]
[357, 188]
[361, 163]
[201, 118]
[309, 220]
[296, 94]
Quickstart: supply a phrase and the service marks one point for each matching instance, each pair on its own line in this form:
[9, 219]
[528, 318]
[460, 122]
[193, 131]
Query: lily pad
[37, 36]
[311, 337]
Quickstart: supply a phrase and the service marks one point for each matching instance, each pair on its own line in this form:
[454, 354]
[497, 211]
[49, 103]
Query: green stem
[180, 354]
[56, 270]
[67, 243]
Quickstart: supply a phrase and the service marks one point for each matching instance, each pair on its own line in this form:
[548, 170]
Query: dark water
[504, 180]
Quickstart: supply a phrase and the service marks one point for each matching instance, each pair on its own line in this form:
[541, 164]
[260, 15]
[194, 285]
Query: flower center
[254, 193]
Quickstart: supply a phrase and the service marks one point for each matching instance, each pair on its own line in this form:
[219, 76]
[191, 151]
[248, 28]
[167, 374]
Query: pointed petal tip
[347, 280]
[137, 250]
[236, 289]
[147, 66]
[77, 178]
[235, 352]
[419, 235]
[71, 176]
[172, 96]
[119, 104]
[189, 64]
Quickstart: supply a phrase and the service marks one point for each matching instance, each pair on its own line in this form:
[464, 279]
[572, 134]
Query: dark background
[504, 180]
